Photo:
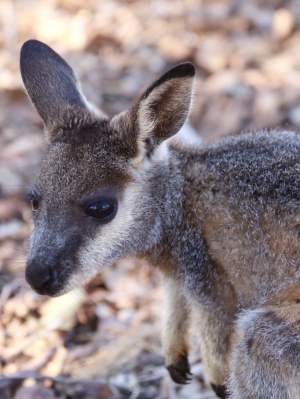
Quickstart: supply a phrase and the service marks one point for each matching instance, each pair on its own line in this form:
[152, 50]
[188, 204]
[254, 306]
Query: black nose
[39, 276]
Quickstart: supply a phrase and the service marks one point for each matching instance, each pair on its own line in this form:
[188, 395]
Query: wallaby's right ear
[160, 112]
[52, 87]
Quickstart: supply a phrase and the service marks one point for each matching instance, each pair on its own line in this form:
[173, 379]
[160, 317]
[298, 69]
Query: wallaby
[221, 221]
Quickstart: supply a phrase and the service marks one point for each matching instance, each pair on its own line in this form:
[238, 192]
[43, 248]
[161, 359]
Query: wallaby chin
[64, 289]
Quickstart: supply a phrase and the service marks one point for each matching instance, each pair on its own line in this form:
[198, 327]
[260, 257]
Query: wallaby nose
[39, 276]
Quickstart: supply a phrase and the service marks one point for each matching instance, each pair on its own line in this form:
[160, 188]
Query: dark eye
[103, 209]
[34, 201]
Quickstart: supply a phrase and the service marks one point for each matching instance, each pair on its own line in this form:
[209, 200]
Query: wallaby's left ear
[163, 108]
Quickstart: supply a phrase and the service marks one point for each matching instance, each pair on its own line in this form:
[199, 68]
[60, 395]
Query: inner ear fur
[163, 108]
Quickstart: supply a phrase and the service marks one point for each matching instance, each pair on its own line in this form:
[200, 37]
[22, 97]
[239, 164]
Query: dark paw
[180, 371]
[220, 391]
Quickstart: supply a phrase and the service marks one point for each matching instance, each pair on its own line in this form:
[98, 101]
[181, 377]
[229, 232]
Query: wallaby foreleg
[175, 331]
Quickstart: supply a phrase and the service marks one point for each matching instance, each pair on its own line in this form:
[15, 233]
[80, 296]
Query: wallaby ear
[52, 87]
[163, 108]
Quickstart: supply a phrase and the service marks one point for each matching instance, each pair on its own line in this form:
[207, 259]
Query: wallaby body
[221, 222]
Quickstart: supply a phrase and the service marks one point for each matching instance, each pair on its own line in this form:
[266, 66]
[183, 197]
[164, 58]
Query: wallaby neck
[165, 184]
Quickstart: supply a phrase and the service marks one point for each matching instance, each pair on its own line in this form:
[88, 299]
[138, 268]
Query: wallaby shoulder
[242, 195]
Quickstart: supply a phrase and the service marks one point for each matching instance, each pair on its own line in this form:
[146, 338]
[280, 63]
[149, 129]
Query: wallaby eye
[34, 201]
[103, 209]
[34, 204]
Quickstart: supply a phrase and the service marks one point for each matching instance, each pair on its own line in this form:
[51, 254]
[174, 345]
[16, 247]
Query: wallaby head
[95, 198]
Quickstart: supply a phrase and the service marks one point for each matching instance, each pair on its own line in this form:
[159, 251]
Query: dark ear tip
[186, 69]
[33, 48]
[31, 45]
[36, 56]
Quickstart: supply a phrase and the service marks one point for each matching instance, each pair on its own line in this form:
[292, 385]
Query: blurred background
[103, 341]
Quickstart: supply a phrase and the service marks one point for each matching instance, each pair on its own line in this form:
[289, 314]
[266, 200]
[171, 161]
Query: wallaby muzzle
[51, 261]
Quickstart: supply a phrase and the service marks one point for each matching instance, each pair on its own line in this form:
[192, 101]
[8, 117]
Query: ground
[103, 341]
